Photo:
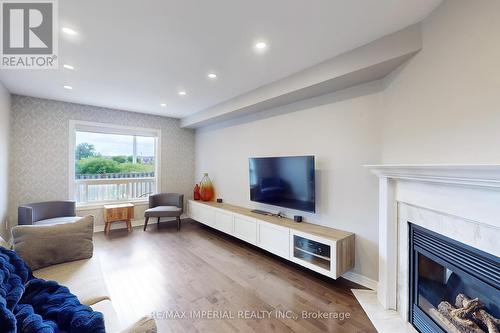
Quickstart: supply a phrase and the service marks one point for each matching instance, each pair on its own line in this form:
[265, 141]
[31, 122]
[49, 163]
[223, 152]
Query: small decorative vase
[196, 194]
[206, 188]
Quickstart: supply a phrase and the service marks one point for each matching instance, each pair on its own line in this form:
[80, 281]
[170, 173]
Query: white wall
[340, 129]
[4, 157]
[443, 106]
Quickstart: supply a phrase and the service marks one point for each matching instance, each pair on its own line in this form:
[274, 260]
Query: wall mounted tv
[283, 181]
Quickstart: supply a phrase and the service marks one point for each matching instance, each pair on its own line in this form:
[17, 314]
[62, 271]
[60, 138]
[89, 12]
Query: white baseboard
[361, 279]
[135, 223]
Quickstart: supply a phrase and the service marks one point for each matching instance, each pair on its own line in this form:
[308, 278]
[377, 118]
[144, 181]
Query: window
[112, 163]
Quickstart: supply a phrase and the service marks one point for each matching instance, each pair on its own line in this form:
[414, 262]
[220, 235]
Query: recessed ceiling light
[212, 76]
[69, 31]
[260, 45]
[182, 93]
[69, 67]
[68, 87]
[163, 105]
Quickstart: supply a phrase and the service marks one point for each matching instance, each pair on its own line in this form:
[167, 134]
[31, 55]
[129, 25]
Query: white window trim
[75, 125]
[94, 206]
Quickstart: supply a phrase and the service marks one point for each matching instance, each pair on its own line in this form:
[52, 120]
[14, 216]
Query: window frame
[105, 128]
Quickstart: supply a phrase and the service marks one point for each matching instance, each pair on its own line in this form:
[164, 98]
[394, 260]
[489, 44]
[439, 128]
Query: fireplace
[460, 202]
[453, 287]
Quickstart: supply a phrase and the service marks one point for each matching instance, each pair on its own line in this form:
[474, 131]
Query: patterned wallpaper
[39, 148]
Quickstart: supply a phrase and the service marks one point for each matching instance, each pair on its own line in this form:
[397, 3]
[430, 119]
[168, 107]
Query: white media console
[324, 250]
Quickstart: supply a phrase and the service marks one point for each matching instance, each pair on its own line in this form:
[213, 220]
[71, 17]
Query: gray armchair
[50, 212]
[165, 205]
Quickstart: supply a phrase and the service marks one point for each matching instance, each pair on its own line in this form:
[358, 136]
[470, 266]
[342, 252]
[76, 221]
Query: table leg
[129, 225]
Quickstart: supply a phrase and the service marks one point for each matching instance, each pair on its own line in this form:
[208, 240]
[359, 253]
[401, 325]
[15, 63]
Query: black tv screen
[283, 181]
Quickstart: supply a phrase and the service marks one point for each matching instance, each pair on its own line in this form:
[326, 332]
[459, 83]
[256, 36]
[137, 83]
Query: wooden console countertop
[310, 228]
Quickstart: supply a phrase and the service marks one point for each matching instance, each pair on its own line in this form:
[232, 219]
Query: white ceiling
[134, 55]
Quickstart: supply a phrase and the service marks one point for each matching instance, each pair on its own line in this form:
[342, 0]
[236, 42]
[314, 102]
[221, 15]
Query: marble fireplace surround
[458, 201]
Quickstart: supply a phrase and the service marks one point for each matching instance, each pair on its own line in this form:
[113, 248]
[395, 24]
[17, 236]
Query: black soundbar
[262, 212]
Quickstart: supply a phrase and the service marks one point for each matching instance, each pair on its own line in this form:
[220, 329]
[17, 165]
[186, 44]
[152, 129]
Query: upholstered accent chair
[165, 205]
[49, 212]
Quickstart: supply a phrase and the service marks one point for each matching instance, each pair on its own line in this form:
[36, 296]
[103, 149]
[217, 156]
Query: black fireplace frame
[483, 268]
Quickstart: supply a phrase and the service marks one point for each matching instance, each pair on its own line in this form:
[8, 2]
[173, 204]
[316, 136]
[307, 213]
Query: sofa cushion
[58, 220]
[3, 243]
[84, 278]
[45, 245]
[163, 211]
[111, 321]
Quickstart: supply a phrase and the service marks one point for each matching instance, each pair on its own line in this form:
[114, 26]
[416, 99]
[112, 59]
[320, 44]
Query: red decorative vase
[206, 188]
[196, 194]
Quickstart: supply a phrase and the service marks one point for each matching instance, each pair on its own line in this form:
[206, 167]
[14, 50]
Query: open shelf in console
[316, 253]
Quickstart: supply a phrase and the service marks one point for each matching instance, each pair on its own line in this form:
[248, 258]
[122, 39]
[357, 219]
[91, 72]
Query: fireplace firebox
[453, 287]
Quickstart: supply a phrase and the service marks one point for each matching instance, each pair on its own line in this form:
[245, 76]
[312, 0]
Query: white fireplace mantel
[470, 192]
[486, 175]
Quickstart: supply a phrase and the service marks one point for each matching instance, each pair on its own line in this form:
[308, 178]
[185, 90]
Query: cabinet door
[123, 213]
[207, 215]
[274, 238]
[111, 215]
[202, 214]
[245, 228]
[224, 222]
[194, 211]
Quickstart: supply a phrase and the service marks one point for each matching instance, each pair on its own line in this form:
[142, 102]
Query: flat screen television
[283, 181]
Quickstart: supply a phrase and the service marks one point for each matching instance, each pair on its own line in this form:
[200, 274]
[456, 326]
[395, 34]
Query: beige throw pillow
[46, 245]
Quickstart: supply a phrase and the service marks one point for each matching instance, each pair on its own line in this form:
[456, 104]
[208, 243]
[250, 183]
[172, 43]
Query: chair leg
[146, 223]
[158, 222]
[178, 223]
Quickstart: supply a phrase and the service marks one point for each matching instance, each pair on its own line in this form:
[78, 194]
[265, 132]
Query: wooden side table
[118, 212]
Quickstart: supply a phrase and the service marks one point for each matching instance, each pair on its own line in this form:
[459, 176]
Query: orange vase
[206, 188]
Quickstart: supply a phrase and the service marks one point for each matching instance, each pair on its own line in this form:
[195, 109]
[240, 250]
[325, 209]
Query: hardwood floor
[199, 269]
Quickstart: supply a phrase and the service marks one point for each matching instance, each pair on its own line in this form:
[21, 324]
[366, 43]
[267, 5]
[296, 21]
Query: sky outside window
[116, 144]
